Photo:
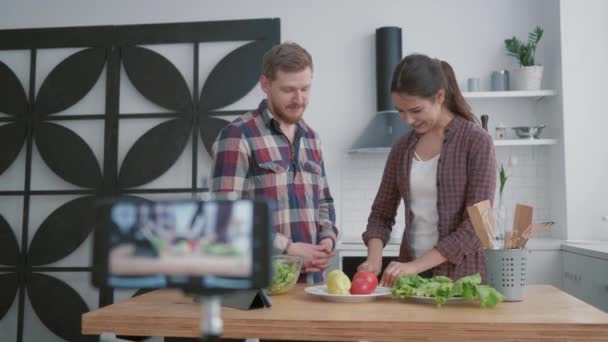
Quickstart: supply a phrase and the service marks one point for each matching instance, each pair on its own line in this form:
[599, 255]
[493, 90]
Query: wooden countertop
[546, 314]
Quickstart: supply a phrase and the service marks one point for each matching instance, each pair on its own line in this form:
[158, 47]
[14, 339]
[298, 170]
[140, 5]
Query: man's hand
[328, 245]
[316, 259]
[394, 270]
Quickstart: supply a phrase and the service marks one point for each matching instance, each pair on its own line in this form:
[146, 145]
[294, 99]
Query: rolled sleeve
[280, 243]
[481, 185]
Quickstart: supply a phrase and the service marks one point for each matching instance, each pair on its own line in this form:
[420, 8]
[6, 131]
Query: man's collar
[269, 119]
[265, 113]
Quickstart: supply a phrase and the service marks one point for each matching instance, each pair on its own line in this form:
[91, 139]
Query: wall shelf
[524, 142]
[508, 94]
[504, 142]
[370, 150]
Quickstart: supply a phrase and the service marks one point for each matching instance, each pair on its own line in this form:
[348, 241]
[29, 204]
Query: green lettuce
[284, 275]
[442, 288]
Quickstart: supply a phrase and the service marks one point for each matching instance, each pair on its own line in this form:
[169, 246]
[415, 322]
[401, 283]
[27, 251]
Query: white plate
[431, 300]
[321, 291]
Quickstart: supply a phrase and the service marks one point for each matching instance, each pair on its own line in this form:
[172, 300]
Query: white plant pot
[526, 78]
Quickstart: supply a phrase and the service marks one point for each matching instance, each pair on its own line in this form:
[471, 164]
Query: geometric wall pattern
[57, 159]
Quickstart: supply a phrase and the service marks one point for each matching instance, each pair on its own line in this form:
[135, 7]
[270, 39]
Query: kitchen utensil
[529, 132]
[508, 240]
[286, 271]
[476, 215]
[484, 122]
[521, 221]
[506, 272]
[321, 291]
[473, 84]
[492, 218]
[501, 131]
[534, 229]
[500, 80]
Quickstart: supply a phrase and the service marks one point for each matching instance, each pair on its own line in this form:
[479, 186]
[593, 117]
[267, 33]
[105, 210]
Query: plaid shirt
[466, 174]
[253, 158]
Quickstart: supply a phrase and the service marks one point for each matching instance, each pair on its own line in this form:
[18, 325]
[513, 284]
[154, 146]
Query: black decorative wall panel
[31, 122]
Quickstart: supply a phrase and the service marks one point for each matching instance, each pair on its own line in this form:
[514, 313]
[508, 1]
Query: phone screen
[185, 243]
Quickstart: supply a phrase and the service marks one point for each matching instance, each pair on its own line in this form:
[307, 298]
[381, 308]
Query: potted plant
[529, 75]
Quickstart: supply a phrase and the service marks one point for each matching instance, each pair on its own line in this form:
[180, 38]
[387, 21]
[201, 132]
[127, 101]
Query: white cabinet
[572, 281]
[598, 283]
[545, 267]
[586, 278]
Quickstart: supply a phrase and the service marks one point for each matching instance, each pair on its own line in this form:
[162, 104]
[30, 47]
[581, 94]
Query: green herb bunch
[442, 288]
[524, 52]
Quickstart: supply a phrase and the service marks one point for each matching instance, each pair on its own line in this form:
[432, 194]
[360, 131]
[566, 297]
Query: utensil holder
[506, 272]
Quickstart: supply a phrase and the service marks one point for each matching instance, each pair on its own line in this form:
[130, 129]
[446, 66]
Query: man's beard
[288, 119]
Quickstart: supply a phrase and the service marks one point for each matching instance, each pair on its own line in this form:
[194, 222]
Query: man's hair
[287, 57]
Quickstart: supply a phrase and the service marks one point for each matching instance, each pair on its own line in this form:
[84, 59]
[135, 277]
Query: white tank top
[423, 234]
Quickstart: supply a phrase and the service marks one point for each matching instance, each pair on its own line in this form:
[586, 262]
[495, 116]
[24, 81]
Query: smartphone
[198, 246]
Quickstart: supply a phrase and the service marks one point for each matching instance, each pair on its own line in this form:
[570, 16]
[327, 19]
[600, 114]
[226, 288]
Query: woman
[445, 164]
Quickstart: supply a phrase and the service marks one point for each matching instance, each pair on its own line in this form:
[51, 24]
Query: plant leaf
[68, 155]
[12, 138]
[58, 306]
[156, 78]
[63, 231]
[154, 153]
[13, 100]
[234, 76]
[9, 254]
[539, 35]
[8, 290]
[70, 81]
[488, 296]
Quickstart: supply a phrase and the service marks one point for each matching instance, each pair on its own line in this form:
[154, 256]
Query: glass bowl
[529, 132]
[285, 273]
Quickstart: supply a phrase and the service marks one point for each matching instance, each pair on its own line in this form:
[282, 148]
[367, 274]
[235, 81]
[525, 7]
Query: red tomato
[369, 277]
[361, 287]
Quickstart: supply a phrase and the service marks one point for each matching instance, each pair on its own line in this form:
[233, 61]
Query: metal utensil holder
[506, 272]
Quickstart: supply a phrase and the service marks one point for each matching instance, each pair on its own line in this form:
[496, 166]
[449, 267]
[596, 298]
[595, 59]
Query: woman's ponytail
[420, 75]
[454, 100]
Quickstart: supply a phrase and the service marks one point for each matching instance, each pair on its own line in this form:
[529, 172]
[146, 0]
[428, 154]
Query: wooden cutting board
[521, 221]
[476, 215]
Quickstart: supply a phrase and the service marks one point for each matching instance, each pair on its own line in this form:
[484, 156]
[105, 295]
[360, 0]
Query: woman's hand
[368, 265]
[394, 270]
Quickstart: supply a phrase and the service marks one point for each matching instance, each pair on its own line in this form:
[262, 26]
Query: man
[271, 153]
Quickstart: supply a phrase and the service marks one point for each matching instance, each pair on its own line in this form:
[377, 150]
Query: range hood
[386, 126]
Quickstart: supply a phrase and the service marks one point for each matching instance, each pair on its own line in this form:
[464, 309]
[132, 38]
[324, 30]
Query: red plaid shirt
[253, 158]
[466, 174]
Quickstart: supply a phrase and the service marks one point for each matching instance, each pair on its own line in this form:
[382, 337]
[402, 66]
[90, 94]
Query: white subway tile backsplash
[362, 172]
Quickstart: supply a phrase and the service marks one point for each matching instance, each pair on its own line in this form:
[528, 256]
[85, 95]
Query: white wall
[585, 70]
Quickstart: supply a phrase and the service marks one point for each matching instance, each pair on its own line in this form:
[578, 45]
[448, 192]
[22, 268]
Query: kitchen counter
[536, 244]
[547, 314]
[594, 249]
